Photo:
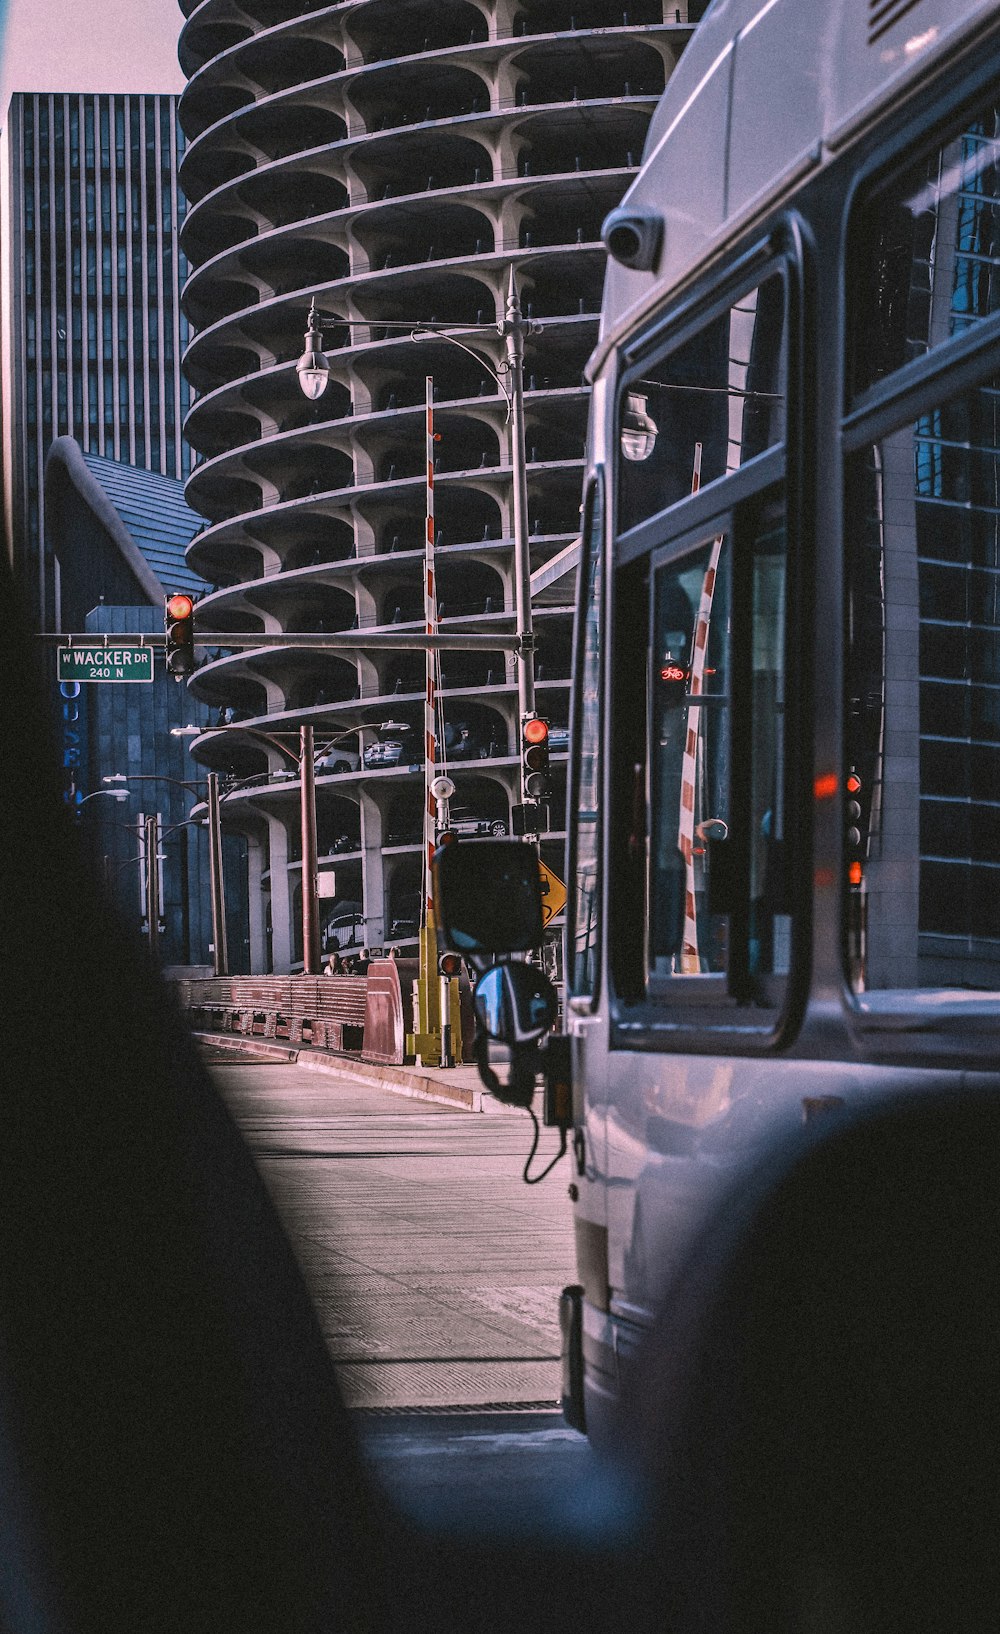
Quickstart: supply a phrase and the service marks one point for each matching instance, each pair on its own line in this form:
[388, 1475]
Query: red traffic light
[179, 635]
[535, 731]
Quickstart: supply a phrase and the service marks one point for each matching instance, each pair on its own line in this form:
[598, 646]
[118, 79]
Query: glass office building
[93, 332]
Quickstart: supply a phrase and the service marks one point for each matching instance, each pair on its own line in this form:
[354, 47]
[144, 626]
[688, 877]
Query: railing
[364, 1017]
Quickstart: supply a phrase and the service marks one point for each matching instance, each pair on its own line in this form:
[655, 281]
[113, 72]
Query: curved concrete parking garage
[390, 160]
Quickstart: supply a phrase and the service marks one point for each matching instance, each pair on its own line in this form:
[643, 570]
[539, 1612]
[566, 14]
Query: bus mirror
[488, 897]
[515, 1003]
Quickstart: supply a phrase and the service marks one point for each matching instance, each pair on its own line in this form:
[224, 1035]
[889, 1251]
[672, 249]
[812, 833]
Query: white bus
[784, 791]
[784, 836]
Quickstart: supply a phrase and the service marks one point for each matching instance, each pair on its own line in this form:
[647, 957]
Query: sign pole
[220, 950]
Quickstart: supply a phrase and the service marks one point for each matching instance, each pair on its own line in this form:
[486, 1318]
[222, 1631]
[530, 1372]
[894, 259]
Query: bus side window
[715, 893]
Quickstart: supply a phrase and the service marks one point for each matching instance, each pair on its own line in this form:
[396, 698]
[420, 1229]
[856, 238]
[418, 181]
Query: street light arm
[147, 777]
[415, 334]
[116, 794]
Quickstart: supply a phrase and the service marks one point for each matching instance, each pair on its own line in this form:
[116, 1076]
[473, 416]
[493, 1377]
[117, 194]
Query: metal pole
[152, 891]
[310, 899]
[220, 950]
[514, 331]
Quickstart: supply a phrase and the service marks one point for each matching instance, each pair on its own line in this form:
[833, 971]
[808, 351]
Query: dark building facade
[93, 333]
[392, 163]
[119, 534]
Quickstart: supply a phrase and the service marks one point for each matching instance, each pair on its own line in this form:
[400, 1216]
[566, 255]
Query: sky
[89, 45]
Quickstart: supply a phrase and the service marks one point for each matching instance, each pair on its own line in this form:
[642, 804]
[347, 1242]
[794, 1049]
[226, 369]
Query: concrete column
[372, 867]
[256, 857]
[281, 897]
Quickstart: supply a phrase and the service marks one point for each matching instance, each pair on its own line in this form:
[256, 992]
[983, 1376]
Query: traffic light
[854, 833]
[179, 633]
[536, 780]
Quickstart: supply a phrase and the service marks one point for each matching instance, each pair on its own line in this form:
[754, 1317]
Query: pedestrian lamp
[179, 635]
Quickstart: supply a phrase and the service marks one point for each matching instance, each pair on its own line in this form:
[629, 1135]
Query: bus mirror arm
[524, 1068]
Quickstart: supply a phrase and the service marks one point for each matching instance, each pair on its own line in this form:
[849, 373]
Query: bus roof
[765, 91]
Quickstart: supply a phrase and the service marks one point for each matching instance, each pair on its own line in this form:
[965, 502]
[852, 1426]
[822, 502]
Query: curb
[409, 1081]
[397, 1080]
[254, 1048]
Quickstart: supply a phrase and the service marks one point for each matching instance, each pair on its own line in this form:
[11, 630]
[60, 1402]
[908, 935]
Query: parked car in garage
[337, 759]
[397, 745]
[463, 820]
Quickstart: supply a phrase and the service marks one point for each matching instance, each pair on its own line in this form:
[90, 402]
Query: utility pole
[310, 901]
[220, 947]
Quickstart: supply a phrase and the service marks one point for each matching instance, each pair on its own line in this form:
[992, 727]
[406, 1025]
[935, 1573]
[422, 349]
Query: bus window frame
[911, 141]
[595, 500]
[655, 1022]
[917, 387]
[765, 260]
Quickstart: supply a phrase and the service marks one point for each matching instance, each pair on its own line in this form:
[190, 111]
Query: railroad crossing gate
[553, 893]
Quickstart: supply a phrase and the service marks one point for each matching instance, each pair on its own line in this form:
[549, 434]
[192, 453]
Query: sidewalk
[457, 1087]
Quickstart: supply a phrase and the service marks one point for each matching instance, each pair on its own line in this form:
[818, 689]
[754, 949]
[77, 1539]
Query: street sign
[110, 663]
[553, 893]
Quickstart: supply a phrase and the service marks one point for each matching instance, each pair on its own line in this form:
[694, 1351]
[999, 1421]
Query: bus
[783, 852]
[784, 804]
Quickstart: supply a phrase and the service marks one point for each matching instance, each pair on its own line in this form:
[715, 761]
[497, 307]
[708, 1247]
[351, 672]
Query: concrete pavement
[436, 1271]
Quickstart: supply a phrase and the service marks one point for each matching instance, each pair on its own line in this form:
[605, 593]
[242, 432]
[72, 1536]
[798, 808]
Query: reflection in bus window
[926, 259]
[716, 886]
[715, 402]
[585, 884]
[923, 743]
[690, 761]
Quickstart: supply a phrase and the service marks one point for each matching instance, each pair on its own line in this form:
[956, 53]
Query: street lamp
[314, 371]
[312, 368]
[220, 949]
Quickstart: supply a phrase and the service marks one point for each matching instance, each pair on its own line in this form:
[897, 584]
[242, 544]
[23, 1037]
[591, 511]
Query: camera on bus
[633, 237]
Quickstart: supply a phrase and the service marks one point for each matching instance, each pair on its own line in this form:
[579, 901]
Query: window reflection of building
[924, 541]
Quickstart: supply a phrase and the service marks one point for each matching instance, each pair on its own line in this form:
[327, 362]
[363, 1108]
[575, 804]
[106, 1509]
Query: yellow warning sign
[553, 893]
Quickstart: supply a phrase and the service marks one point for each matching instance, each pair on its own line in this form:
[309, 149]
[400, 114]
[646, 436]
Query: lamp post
[220, 951]
[314, 372]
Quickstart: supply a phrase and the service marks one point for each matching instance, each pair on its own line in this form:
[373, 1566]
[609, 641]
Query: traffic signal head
[179, 634]
[535, 757]
[854, 829]
[674, 679]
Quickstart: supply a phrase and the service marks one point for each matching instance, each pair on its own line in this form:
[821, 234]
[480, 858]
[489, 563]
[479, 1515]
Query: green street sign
[108, 663]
